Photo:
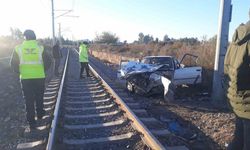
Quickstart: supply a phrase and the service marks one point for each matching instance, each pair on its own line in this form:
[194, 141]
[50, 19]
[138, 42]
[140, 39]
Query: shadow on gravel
[189, 121]
[192, 136]
[12, 112]
[199, 99]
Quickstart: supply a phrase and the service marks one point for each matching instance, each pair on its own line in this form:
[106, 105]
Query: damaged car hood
[133, 67]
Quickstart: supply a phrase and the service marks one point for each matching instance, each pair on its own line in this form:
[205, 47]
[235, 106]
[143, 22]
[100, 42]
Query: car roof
[158, 56]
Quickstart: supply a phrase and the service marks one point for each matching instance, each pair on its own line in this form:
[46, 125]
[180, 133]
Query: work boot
[40, 116]
[32, 125]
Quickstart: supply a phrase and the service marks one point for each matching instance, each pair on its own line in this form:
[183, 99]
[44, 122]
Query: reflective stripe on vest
[26, 62]
[31, 62]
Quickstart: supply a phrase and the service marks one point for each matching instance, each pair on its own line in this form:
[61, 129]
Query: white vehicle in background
[153, 74]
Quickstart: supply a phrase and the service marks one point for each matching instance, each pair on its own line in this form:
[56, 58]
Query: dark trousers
[33, 90]
[57, 63]
[241, 140]
[86, 66]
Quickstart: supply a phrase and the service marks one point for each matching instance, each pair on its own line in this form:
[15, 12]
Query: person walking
[30, 60]
[57, 57]
[237, 85]
[83, 59]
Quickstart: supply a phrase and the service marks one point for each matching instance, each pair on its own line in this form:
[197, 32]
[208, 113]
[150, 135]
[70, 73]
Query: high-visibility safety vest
[83, 53]
[31, 61]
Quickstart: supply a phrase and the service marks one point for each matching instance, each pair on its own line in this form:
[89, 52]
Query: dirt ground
[201, 125]
[12, 109]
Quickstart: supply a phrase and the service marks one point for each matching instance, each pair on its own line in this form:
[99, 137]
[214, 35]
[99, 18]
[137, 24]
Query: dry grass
[204, 50]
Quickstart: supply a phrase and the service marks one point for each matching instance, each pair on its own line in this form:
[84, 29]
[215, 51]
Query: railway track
[94, 117]
[95, 113]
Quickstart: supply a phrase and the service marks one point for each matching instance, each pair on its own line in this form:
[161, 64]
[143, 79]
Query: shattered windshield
[167, 61]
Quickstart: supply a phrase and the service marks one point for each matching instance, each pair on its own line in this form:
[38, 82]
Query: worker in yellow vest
[30, 60]
[83, 59]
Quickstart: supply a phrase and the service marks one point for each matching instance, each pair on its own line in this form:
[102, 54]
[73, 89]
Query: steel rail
[56, 111]
[148, 137]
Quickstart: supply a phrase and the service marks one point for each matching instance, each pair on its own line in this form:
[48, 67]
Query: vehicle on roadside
[155, 74]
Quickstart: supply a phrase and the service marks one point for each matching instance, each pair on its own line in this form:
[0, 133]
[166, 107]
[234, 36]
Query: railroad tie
[80, 82]
[107, 124]
[83, 85]
[51, 88]
[88, 102]
[86, 92]
[49, 109]
[49, 97]
[83, 88]
[98, 140]
[87, 96]
[50, 92]
[89, 108]
[53, 85]
[48, 103]
[92, 115]
[30, 145]
[54, 80]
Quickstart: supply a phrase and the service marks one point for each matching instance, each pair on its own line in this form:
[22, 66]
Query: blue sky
[125, 18]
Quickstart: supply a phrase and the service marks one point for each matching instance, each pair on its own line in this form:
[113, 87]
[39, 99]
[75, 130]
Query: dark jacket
[237, 72]
[14, 62]
[56, 51]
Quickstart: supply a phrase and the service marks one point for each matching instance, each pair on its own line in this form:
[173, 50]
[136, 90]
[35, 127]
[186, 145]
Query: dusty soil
[211, 127]
[12, 109]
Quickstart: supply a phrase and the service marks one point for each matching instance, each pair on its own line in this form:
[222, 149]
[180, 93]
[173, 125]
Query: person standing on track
[30, 60]
[83, 59]
[57, 56]
[237, 85]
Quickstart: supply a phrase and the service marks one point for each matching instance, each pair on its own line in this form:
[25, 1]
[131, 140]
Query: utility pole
[221, 49]
[59, 33]
[53, 22]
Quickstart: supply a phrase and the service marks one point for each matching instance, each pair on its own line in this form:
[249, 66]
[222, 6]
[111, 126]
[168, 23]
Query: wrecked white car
[158, 74]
